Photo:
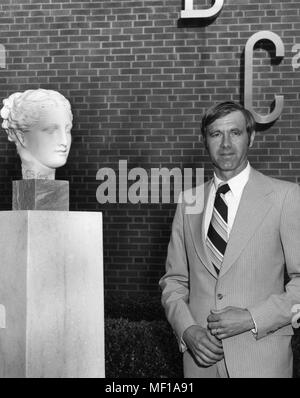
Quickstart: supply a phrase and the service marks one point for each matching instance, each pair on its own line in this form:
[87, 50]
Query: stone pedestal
[40, 195]
[51, 294]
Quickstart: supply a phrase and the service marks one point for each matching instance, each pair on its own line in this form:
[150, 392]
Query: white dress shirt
[232, 197]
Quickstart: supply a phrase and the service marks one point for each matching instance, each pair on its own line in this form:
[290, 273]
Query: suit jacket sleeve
[175, 282]
[276, 311]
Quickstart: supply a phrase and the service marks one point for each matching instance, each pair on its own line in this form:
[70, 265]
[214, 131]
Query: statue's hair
[21, 110]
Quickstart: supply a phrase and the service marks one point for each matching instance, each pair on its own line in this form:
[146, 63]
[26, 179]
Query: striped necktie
[217, 235]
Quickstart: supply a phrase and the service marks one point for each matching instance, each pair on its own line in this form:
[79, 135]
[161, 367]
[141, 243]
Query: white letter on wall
[295, 63]
[249, 49]
[211, 12]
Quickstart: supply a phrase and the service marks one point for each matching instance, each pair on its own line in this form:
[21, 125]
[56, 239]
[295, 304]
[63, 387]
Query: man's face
[227, 143]
[49, 139]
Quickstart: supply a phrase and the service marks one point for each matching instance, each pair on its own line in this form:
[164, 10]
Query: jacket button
[219, 296]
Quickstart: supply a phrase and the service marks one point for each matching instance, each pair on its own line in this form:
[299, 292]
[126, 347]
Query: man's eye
[215, 134]
[236, 132]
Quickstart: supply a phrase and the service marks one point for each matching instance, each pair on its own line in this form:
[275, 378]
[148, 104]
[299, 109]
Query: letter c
[211, 12]
[279, 99]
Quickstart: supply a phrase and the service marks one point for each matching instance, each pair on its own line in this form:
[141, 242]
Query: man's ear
[203, 140]
[251, 140]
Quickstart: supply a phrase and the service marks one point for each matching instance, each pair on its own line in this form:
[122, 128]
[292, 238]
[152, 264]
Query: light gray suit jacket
[264, 239]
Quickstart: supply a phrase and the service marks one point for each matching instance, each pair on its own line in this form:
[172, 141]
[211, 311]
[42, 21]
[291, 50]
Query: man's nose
[226, 141]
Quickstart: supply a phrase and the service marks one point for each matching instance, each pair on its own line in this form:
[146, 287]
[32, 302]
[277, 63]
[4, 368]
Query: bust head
[39, 122]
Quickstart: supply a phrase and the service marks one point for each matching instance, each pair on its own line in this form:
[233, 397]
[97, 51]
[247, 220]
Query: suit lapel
[197, 228]
[253, 207]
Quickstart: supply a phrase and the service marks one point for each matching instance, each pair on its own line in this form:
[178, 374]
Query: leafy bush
[134, 308]
[296, 352]
[141, 349]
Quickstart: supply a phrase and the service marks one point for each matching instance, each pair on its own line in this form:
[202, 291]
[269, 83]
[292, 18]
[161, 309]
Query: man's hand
[205, 348]
[229, 321]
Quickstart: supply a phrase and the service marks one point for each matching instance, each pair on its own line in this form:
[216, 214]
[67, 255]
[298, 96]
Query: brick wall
[138, 83]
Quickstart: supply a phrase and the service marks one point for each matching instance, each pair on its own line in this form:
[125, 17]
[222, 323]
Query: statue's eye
[50, 129]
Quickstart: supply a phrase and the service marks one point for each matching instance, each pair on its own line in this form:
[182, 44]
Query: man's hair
[223, 109]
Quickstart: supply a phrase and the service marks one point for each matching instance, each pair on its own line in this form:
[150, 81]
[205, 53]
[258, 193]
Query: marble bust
[39, 122]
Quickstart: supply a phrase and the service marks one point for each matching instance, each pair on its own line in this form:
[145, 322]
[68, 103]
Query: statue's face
[49, 139]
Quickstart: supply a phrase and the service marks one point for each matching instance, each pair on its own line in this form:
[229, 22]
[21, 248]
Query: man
[223, 290]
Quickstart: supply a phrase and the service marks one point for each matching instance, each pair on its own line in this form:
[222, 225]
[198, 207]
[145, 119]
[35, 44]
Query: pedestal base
[41, 195]
[51, 294]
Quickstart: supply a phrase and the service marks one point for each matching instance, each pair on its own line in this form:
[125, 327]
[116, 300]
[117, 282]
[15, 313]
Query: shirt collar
[236, 183]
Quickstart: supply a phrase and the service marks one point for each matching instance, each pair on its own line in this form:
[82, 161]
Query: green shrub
[296, 351]
[133, 308]
[141, 349]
